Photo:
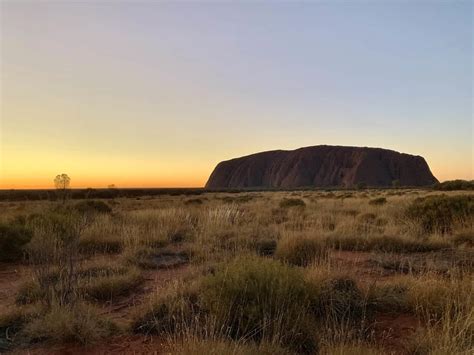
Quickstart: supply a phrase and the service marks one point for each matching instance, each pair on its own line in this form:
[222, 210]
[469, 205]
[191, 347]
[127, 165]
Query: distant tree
[361, 186]
[62, 182]
[396, 183]
[111, 186]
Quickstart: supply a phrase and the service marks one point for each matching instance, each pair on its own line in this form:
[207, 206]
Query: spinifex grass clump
[171, 312]
[441, 213]
[292, 202]
[13, 238]
[379, 201]
[94, 283]
[92, 207]
[386, 243]
[261, 299]
[78, 323]
[301, 250]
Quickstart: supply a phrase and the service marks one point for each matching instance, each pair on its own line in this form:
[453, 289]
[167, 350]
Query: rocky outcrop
[322, 166]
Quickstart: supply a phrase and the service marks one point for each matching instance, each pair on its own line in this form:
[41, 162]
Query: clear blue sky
[156, 93]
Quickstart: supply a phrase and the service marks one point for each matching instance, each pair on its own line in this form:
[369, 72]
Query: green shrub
[292, 202]
[440, 213]
[260, 299]
[378, 201]
[301, 251]
[13, 238]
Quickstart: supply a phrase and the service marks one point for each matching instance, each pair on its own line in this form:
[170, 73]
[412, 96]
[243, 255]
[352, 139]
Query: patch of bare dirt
[123, 344]
[11, 278]
[393, 330]
[359, 265]
[121, 311]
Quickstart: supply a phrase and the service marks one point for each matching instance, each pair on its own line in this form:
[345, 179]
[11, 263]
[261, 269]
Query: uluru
[322, 166]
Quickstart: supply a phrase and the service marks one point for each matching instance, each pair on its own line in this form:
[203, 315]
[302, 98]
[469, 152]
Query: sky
[155, 94]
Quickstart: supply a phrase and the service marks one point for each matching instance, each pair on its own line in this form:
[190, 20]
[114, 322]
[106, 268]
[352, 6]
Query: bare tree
[62, 182]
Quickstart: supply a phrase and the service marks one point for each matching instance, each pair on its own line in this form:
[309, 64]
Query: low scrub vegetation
[455, 185]
[441, 213]
[261, 299]
[329, 272]
[92, 207]
[301, 250]
[13, 238]
[379, 201]
[79, 324]
[292, 202]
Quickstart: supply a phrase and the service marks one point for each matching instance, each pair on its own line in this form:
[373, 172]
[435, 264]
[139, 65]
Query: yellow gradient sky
[156, 94]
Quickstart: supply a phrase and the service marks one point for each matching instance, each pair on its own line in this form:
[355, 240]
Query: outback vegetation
[301, 272]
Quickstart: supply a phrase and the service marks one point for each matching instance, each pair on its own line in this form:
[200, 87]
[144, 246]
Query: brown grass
[258, 262]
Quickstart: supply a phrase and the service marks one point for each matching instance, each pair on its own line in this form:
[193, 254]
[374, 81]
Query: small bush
[92, 207]
[369, 222]
[455, 185]
[12, 322]
[389, 298]
[301, 251]
[29, 292]
[180, 235]
[292, 202]
[430, 298]
[237, 199]
[78, 324]
[13, 238]
[339, 300]
[261, 299]
[265, 247]
[379, 201]
[148, 258]
[440, 213]
[96, 245]
[106, 287]
[169, 312]
[98, 283]
[194, 201]
[384, 243]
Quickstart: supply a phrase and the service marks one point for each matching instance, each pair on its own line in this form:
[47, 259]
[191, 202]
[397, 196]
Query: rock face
[321, 166]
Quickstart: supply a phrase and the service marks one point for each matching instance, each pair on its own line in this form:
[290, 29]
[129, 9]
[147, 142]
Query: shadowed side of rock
[322, 166]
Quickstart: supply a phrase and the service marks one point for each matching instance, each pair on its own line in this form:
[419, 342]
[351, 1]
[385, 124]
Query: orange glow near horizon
[135, 179]
[131, 94]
